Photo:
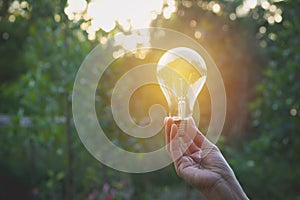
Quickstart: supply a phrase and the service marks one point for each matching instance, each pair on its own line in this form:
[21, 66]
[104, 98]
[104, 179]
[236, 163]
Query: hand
[199, 162]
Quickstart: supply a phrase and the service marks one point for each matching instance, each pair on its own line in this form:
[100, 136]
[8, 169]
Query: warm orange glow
[185, 70]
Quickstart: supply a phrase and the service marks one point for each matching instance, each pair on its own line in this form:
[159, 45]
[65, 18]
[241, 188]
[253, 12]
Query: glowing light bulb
[181, 74]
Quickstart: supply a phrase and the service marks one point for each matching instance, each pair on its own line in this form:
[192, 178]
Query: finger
[178, 132]
[193, 139]
[196, 156]
[171, 135]
[175, 144]
[168, 123]
[192, 147]
[188, 136]
[173, 132]
[165, 120]
[176, 150]
[187, 132]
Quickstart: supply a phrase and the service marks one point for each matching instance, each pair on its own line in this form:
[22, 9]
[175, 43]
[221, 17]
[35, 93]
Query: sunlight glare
[128, 15]
[131, 41]
[242, 10]
[17, 8]
[169, 9]
[77, 6]
[251, 3]
[131, 14]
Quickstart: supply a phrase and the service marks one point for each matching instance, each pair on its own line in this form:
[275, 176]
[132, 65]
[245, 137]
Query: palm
[203, 167]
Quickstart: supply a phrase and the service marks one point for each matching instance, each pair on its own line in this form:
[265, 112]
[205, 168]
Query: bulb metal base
[181, 124]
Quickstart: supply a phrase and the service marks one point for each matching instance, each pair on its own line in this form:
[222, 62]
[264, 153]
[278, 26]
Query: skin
[199, 162]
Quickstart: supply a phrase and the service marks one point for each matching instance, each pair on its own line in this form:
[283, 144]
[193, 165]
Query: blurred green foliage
[269, 165]
[41, 153]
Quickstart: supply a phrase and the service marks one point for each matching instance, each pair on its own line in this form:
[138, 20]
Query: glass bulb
[181, 74]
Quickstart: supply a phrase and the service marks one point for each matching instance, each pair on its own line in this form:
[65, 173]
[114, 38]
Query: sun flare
[107, 14]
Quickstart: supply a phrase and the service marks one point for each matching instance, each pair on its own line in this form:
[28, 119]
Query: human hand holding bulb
[181, 73]
[200, 163]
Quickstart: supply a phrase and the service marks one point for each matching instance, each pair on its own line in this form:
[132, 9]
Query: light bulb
[181, 74]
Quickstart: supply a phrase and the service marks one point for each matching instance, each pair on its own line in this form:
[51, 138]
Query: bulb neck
[181, 109]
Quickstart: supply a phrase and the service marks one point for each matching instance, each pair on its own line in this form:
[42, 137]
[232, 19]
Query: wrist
[229, 189]
[237, 189]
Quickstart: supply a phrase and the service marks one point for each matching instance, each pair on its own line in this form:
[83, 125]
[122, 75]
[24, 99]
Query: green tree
[269, 166]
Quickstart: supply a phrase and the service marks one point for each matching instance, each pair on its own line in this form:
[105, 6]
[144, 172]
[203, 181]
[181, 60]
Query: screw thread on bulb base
[181, 124]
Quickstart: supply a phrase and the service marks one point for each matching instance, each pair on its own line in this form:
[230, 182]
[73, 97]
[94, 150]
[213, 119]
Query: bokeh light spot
[216, 8]
[198, 34]
[193, 23]
[263, 44]
[57, 17]
[273, 8]
[262, 29]
[11, 18]
[5, 36]
[271, 20]
[232, 16]
[272, 36]
[293, 112]
[265, 5]
[278, 18]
